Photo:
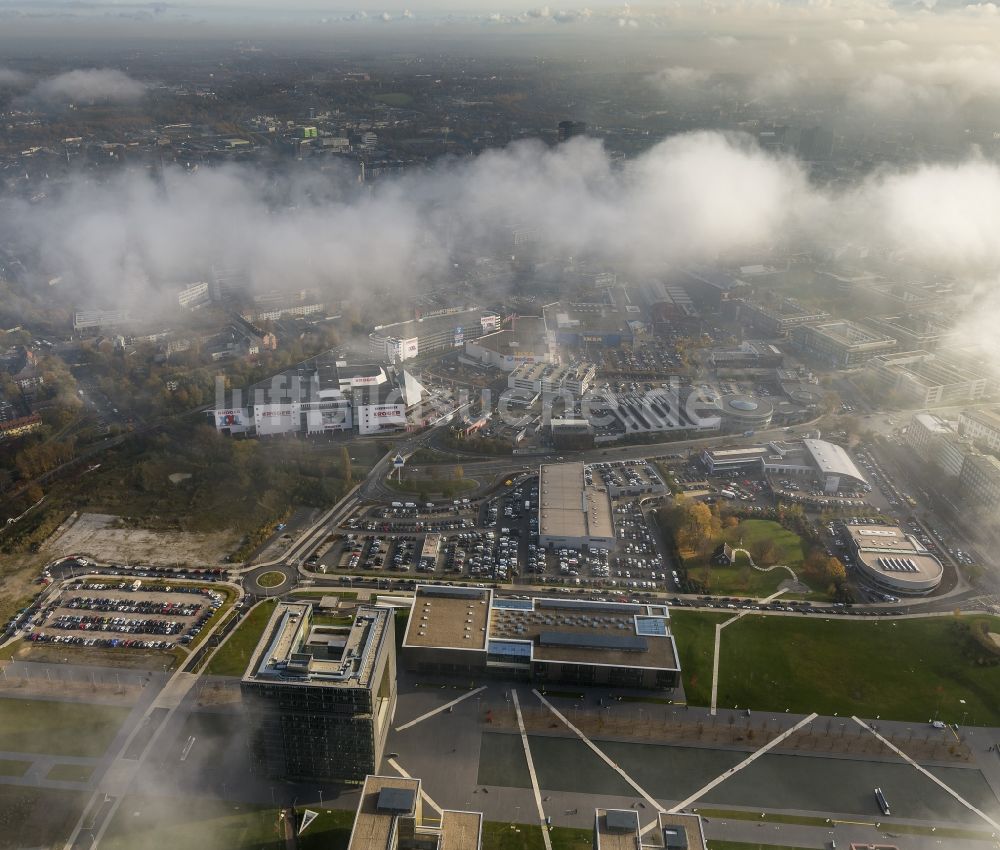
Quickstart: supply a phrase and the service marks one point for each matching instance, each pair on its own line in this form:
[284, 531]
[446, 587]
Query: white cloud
[92, 84]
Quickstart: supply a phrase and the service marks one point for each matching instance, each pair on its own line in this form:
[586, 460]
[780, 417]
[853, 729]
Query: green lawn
[192, 823]
[432, 487]
[740, 578]
[13, 767]
[70, 772]
[37, 817]
[500, 836]
[330, 831]
[567, 838]
[271, 579]
[234, 655]
[695, 634]
[905, 669]
[58, 728]
[395, 98]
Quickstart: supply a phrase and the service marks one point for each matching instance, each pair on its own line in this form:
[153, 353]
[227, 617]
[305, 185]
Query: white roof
[831, 459]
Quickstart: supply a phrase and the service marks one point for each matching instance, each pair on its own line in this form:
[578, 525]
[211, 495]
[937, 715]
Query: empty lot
[102, 537]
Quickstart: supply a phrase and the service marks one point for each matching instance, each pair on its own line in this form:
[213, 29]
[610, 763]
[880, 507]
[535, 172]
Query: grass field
[500, 836]
[567, 838]
[143, 823]
[395, 98]
[330, 831]
[13, 767]
[70, 772]
[37, 817]
[234, 655]
[432, 486]
[740, 578]
[905, 669]
[695, 633]
[58, 728]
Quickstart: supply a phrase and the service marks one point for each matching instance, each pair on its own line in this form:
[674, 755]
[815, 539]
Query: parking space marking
[531, 771]
[928, 774]
[439, 709]
[770, 745]
[395, 765]
[600, 753]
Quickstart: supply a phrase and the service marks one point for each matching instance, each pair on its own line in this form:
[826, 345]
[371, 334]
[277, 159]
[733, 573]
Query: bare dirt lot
[100, 537]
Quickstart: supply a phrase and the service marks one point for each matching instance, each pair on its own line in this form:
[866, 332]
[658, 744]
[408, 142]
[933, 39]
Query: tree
[458, 473]
[763, 551]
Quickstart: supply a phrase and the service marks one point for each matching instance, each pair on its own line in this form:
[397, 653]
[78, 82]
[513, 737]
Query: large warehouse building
[893, 560]
[432, 332]
[572, 512]
[468, 631]
[321, 698]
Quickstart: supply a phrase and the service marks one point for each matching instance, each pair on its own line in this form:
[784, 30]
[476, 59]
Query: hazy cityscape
[476, 427]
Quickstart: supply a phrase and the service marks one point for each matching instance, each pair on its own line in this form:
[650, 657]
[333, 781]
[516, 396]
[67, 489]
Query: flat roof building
[469, 631]
[570, 511]
[619, 829]
[894, 560]
[982, 426]
[321, 698]
[390, 817]
[778, 317]
[921, 378]
[826, 462]
[842, 344]
[431, 332]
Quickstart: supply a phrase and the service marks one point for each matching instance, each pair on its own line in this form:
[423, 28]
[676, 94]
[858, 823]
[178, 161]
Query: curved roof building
[892, 560]
[834, 465]
[743, 411]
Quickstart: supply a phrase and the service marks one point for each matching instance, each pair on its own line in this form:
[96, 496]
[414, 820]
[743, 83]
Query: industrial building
[468, 631]
[778, 317]
[894, 560]
[390, 817]
[321, 698]
[842, 344]
[916, 331]
[751, 354]
[570, 511]
[921, 378]
[619, 829]
[605, 323]
[826, 463]
[710, 287]
[320, 396]
[437, 331]
[525, 341]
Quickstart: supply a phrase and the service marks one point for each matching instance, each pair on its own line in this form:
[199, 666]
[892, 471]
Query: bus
[883, 804]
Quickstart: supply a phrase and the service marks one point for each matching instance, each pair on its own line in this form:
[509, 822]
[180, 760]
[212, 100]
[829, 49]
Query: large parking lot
[123, 614]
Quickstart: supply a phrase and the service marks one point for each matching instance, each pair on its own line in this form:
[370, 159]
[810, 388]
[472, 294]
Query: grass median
[232, 657]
